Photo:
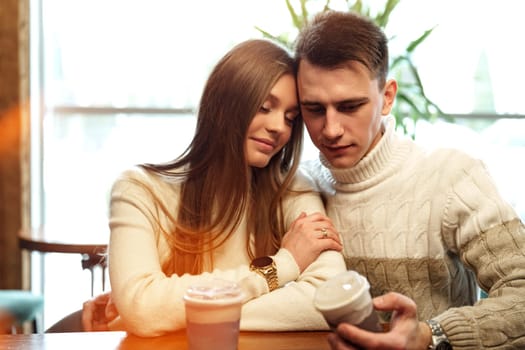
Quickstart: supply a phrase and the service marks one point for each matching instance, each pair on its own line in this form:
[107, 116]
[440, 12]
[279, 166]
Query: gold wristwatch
[265, 266]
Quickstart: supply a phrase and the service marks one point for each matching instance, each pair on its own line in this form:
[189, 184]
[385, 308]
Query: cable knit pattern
[431, 224]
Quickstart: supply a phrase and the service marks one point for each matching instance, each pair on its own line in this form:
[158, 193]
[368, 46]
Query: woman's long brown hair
[217, 185]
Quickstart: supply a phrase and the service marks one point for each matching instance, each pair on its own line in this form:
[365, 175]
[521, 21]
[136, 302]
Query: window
[119, 81]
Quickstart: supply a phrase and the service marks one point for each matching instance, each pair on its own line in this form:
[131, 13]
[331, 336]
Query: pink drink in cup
[213, 313]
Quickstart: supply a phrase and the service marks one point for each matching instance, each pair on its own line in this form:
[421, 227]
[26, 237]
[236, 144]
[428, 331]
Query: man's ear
[389, 95]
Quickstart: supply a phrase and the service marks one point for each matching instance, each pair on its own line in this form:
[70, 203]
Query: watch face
[444, 346]
[262, 261]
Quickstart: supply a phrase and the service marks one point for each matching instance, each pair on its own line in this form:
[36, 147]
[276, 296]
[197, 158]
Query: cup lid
[342, 289]
[214, 290]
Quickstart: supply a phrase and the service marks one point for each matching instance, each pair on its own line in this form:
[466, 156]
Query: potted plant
[412, 104]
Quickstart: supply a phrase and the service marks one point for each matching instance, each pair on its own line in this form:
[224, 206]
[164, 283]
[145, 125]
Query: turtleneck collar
[377, 164]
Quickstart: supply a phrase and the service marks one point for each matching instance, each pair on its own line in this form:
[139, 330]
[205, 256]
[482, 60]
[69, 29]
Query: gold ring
[324, 232]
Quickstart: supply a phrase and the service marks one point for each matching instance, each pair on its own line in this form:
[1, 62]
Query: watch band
[439, 338]
[265, 266]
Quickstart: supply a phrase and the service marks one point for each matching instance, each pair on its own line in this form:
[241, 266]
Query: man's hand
[406, 332]
[98, 312]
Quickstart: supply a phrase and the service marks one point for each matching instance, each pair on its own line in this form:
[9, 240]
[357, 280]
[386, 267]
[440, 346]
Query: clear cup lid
[213, 289]
[342, 289]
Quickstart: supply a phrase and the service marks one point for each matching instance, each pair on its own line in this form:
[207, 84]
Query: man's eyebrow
[308, 103]
[356, 100]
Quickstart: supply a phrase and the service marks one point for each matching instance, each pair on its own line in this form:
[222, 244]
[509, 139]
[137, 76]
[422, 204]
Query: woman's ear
[389, 95]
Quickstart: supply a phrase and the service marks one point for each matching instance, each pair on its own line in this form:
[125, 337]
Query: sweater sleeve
[489, 238]
[148, 301]
[291, 307]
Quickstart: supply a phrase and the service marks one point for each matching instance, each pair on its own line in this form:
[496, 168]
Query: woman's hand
[98, 312]
[406, 332]
[309, 236]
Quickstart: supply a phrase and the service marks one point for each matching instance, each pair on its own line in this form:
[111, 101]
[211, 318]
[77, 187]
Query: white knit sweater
[150, 303]
[428, 224]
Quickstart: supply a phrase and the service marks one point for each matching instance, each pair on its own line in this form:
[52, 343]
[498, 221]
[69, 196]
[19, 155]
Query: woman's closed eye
[290, 118]
[265, 109]
[292, 114]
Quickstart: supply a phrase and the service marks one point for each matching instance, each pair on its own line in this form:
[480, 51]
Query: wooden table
[175, 341]
[91, 246]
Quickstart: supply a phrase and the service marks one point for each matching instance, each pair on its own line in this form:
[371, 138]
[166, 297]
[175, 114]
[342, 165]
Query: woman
[231, 197]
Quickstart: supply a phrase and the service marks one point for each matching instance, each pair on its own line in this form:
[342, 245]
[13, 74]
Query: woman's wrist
[287, 268]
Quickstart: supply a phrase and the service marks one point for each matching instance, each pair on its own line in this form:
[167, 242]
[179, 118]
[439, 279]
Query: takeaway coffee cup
[213, 313]
[346, 298]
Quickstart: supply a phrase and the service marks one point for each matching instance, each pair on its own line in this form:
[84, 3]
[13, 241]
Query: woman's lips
[265, 145]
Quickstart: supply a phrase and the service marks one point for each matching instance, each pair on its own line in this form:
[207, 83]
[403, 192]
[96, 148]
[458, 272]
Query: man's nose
[332, 126]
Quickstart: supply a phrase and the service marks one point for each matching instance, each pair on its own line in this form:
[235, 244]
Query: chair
[92, 261]
[20, 307]
[70, 323]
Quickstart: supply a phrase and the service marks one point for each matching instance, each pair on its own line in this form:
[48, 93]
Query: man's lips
[338, 148]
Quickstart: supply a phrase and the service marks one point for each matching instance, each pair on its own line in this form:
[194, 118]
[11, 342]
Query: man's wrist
[426, 338]
[439, 340]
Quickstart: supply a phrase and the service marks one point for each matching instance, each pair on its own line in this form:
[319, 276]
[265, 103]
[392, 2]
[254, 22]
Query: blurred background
[112, 83]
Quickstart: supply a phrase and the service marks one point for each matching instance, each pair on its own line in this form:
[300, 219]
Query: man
[422, 226]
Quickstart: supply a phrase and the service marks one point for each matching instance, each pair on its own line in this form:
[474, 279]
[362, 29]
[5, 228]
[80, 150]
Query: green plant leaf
[383, 17]
[403, 97]
[296, 20]
[282, 39]
[411, 47]
[326, 6]
[356, 7]
[396, 61]
[413, 112]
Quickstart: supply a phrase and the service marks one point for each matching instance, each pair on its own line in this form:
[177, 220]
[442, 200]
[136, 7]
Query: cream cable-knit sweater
[150, 303]
[428, 224]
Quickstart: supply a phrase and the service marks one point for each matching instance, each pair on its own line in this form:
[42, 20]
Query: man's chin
[341, 162]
